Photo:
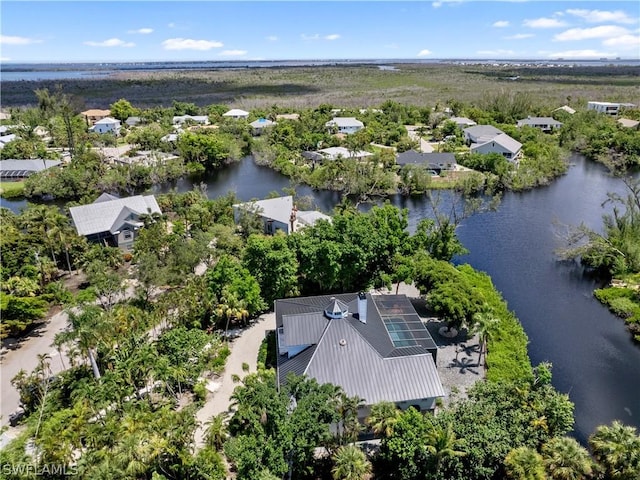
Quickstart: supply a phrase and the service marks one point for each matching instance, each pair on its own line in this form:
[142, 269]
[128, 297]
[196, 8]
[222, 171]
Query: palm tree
[565, 459]
[217, 433]
[442, 443]
[524, 463]
[484, 325]
[617, 449]
[383, 418]
[350, 463]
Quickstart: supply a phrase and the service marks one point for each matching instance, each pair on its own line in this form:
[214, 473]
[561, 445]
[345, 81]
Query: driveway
[243, 350]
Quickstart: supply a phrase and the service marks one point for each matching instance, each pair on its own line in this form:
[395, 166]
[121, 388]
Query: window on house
[127, 234]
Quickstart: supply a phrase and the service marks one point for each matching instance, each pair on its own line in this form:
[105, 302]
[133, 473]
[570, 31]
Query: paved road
[25, 357]
[243, 350]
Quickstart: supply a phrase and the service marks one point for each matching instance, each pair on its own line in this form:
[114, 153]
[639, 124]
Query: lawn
[11, 189]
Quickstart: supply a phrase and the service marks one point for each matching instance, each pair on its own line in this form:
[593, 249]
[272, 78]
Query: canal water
[594, 359]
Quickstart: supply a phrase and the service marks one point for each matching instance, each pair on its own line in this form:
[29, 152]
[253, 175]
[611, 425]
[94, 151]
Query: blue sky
[110, 31]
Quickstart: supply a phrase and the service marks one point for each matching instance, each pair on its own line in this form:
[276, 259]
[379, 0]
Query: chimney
[362, 307]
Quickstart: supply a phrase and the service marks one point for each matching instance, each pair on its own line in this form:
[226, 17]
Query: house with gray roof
[113, 221]
[432, 161]
[462, 122]
[480, 133]
[236, 113]
[279, 214]
[546, 124]
[258, 126]
[346, 125]
[375, 347]
[20, 169]
[503, 144]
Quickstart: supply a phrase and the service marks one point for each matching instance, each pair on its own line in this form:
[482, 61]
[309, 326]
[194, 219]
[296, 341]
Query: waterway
[594, 359]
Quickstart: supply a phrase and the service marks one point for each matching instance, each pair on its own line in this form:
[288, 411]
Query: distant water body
[13, 72]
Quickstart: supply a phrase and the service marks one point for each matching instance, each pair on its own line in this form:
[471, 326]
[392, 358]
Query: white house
[106, 125]
[503, 144]
[610, 108]
[546, 124]
[236, 113]
[375, 347]
[112, 220]
[345, 125]
[333, 153]
[200, 119]
[280, 214]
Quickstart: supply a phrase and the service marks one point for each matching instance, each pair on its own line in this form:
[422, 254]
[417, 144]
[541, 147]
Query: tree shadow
[465, 365]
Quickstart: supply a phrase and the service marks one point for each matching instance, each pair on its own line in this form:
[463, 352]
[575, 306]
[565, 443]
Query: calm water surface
[594, 359]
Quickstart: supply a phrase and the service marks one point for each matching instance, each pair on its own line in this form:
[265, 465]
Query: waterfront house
[334, 153]
[503, 144]
[346, 125]
[375, 347]
[279, 214]
[236, 114]
[106, 125]
[259, 125]
[113, 221]
[17, 170]
[546, 124]
[480, 133]
[94, 115]
[437, 162]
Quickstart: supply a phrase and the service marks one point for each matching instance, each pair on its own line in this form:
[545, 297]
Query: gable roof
[411, 157]
[106, 214]
[503, 140]
[362, 358]
[463, 121]
[280, 208]
[108, 121]
[96, 112]
[12, 168]
[262, 122]
[567, 109]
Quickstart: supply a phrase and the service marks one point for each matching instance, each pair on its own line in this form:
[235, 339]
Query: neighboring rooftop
[539, 121]
[504, 140]
[345, 122]
[280, 210]
[106, 212]
[482, 133]
[628, 123]
[567, 109]
[436, 160]
[12, 168]
[236, 112]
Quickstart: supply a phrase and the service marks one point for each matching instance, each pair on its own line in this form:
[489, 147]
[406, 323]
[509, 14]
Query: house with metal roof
[94, 115]
[346, 125]
[375, 347]
[503, 144]
[20, 169]
[113, 221]
[279, 214]
[546, 124]
[133, 121]
[236, 113]
[462, 122]
[480, 133]
[432, 161]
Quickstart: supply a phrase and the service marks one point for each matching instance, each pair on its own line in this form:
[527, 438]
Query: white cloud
[112, 42]
[272, 38]
[315, 36]
[623, 41]
[190, 44]
[5, 59]
[544, 23]
[424, 53]
[436, 4]
[575, 54]
[333, 36]
[519, 36]
[501, 24]
[603, 31]
[233, 53]
[499, 52]
[11, 40]
[171, 25]
[601, 16]
[142, 31]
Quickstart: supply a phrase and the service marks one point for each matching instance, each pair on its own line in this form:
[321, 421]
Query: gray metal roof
[482, 133]
[360, 357]
[32, 165]
[533, 121]
[104, 215]
[345, 122]
[278, 209]
[505, 141]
